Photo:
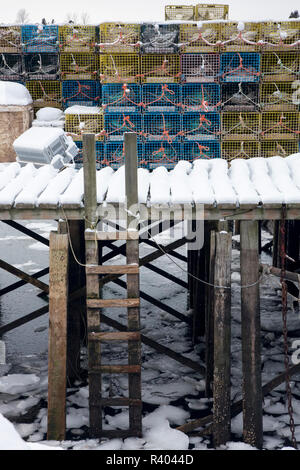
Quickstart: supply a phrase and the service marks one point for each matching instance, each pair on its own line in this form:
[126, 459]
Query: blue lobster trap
[159, 38]
[41, 66]
[81, 92]
[115, 124]
[114, 153]
[201, 126]
[11, 67]
[240, 67]
[100, 161]
[40, 38]
[201, 149]
[162, 154]
[162, 126]
[161, 97]
[203, 97]
[117, 97]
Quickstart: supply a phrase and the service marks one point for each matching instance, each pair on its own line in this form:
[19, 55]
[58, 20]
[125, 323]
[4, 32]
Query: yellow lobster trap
[240, 126]
[119, 68]
[206, 12]
[282, 35]
[239, 36]
[77, 124]
[79, 66]
[159, 68]
[77, 38]
[281, 96]
[179, 12]
[10, 39]
[280, 126]
[119, 37]
[45, 93]
[203, 37]
[240, 149]
[281, 148]
[279, 66]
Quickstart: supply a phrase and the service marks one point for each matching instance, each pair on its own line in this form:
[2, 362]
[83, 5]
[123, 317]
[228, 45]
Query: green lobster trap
[119, 68]
[45, 93]
[240, 126]
[280, 126]
[179, 13]
[279, 66]
[10, 39]
[159, 68]
[119, 37]
[281, 96]
[77, 124]
[240, 149]
[207, 12]
[239, 36]
[203, 37]
[282, 35]
[281, 148]
[79, 66]
[77, 38]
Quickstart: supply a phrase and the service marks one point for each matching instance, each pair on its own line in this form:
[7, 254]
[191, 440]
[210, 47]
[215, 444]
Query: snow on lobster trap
[41, 66]
[159, 68]
[280, 66]
[206, 12]
[119, 37]
[240, 36]
[162, 126]
[114, 154]
[159, 38]
[79, 122]
[179, 12]
[10, 39]
[40, 38]
[280, 126]
[239, 67]
[45, 93]
[201, 126]
[116, 124]
[161, 97]
[81, 92]
[204, 149]
[77, 38]
[119, 68]
[200, 67]
[281, 96]
[240, 149]
[281, 148]
[117, 97]
[79, 66]
[240, 97]
[161, 154]
[282, 35]
[204, 97]
[199, 37]
[11, 67]
[100, 160]
[241, 126]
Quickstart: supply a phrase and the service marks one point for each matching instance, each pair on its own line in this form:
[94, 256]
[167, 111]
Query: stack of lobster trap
[196, 89]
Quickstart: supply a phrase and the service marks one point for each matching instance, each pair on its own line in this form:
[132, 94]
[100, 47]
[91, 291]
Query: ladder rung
[116, 369]
[121, 402]
[109, 269]
[104, 303]
[115, 336]
[123, 235]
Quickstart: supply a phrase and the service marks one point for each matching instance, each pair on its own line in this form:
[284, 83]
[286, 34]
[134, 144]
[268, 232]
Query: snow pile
[14, 94]
[103, 179]
[24, 178]
[56, 187]
[160, 188]
[261, 179]
[76, 109]
[280, 174]
[74, 192]
[9, 173]
[16, 383]
[181, 192]
[29, 195]
[220, 182]
[116, 188]
[49, 114]
[240, 179]
[162, 437]
[199, 183]
[293, 161]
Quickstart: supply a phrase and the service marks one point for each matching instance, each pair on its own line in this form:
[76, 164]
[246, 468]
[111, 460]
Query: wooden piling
[209, 314]
[251, 354]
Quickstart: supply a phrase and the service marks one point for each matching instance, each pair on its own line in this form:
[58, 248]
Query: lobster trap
[40, 38]
[114, 154]
[240, 97]
[158, 68]
[280, 66]
[201, 126]
[77, 124]
[115, 124]
[119, 68]
[204, 97]
[100, 152]
[277, 126]
[283, 35]
[159, 38]
[195, 37]
[241, 126]
[79, 66]
[240, 67]
[45, 93]
[281, 148]
[81, 92]
[206, 12]
[201, 149]
[240, 149]
[179, 12]
[119, 37]
[121, 98]
[240, 36]
[77, 38]
[11, 67]
[10, 39]
[200, 67]
[162, 154]
[162, 126]
[282, 96]
[158, 97]
[41, 66]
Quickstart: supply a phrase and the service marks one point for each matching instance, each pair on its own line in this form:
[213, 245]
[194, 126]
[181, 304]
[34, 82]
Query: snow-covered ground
[172, 393]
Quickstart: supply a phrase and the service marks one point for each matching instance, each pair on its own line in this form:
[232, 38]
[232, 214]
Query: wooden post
[252, 388]
[57, 354]
[222, 336]
[209, 316]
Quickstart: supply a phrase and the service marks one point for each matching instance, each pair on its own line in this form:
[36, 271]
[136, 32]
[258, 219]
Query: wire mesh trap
[41, 66]
[11, 67]
[241, 126]
[79, 66]
[195, 37]
[283, 35]
[206, 12]
[159, 68]
[161, 154]
[201, 126]
[179, 12]
[159, 97]
[40, 38]
[240, 149]
[77, 124]
[204, 149]
[240, 97]
[100, 159]
[162, 126]
[121, 98]
[239, 36]
[119, 37]
[277, 126]
[115, 124]
[119, 68]
[281, 148]
[204, 97]
[280, 96]
[77, 38]
[114, 154]
[45, 93]
[200, 67]
[159, 38]
[10, 39]
[81, 92]
[280, 66]
[239, 67]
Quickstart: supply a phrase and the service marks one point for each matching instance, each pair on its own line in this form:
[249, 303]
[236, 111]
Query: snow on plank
[9, 173]
[29, 195]
[160, 188]
[280, 174]
[262, 181]
[293, 162]
[15, 186]
[199, 183]
[103, 177]
[220, 182]
[239, 174]
[57, 186]
[73, 195]
[116, 186]
[181, 192]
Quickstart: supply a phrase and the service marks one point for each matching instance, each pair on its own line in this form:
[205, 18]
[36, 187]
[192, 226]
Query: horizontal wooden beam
[288, 275]
[115, 336]
[112, 303]
[115, 369]
[113, 269]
